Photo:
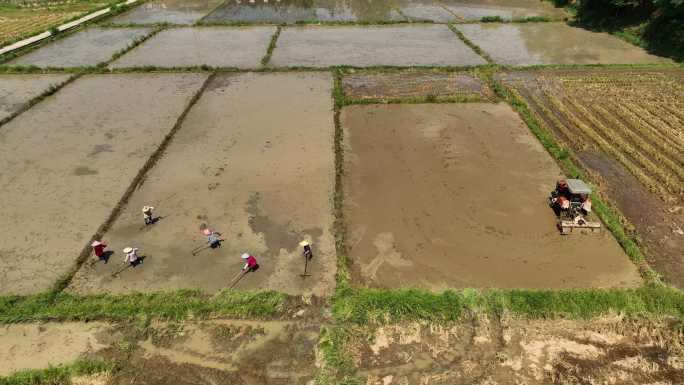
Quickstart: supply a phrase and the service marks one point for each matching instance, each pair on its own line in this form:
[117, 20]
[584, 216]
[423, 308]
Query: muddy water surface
[440, 196]
[552, 43]
[67, 162]
[367, 46]
[17, 90]
[253, 161]
[505, 9]
[85, 48]
[168, 11]
[214, 46]
[292, 11]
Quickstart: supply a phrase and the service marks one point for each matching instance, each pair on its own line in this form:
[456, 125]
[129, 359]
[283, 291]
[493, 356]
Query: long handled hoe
[306, 265]
[238, 278]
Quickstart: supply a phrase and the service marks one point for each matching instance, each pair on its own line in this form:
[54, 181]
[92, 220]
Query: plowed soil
[627, 129]
[506, 350]
[454, 195]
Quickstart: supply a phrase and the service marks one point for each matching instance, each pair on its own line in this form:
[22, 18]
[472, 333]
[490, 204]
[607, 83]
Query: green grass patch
[364, 305]
[60, 375]
[165, 305]
[492, 19]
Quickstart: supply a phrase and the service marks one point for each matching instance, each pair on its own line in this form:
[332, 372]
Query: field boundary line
[271, 46]
[51, 90]
[65, 280]
[64, 27]
[470, 44]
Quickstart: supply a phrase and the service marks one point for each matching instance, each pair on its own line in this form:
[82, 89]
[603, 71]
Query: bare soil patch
[241, 47]
[38, 346]
[167, 11]
[627, 128]
[86, 48]
[17, 90]
[262, 179]
[508, 350]
[68, 161]
[552, 43]
[505, 9]
[441, 196]
[428, 45]
[217, 351]
[413, 85]
[428, 11]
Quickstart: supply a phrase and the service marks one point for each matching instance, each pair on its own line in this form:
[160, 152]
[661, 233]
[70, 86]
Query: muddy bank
[39, 346]
[209, 352]
[17, 90]
[419, 212]
[552, 43]
[86, 48]
[434, 45]
[241, 47]
[505, 9]
[226, 352]
[67, 162]
[167, 11]
[639, 167]
[414, 84]
[253, 160]
[607, 350]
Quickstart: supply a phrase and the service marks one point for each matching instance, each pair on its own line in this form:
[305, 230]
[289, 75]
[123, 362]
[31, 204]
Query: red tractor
[571, 202]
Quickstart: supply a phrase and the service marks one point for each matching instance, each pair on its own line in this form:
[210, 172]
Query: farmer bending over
[131, 256]
[250, 263]
[147, 215]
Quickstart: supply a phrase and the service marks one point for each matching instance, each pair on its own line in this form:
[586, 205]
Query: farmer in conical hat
[131, 256]
[212, 238]
[250, 263]
[308, 254]
[147, 215]
[98, 249]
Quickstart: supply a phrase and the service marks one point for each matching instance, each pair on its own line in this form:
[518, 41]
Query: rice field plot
[23, 20]
[627, 128]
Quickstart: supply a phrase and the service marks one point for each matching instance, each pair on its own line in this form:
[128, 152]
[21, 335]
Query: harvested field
[427, 45]
[167, 11]
[450, 196]
[507, 350]
[415, 85]
[241, 47]
[68, 161]
[36, 17]
[17, 90]
[293, 11]
[218, 351]
[38, 346]
[427, 11]
[552, 43]
[263, 180]
[85, 48]
[627, 128]
[505, 9]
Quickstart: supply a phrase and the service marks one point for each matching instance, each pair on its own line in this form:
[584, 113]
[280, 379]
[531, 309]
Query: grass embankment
[60, 375]
[166, 305]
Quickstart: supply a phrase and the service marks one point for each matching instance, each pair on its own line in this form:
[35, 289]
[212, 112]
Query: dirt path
[441, 196]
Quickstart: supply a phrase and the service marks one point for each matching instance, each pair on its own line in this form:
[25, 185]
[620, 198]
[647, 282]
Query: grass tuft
[60, 375]
[271, 47]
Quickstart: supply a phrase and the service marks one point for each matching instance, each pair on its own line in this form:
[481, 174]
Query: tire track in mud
[137, 181]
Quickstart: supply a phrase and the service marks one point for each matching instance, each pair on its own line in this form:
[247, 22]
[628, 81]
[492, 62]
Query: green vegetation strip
[60, 375]
[379, 305]
[271, 46]
[167, 305]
